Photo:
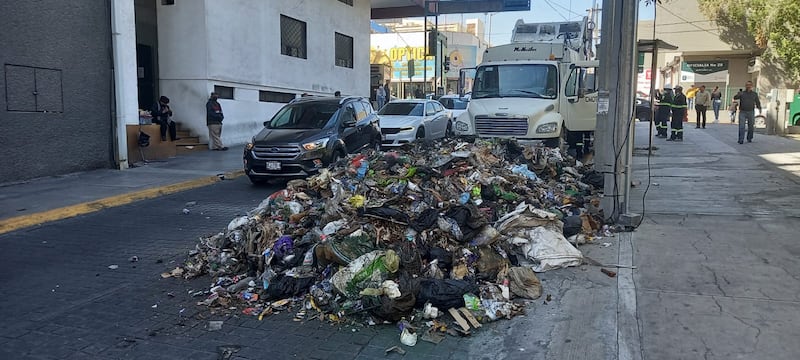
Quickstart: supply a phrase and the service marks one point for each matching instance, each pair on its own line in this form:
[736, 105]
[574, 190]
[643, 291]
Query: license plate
[273, 165]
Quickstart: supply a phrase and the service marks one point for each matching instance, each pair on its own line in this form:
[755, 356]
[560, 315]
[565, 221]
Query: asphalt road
[60, 299]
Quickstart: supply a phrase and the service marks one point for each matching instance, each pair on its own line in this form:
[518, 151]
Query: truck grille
[276, 153]
[487, 126]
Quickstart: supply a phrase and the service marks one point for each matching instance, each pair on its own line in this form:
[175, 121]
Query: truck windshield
[517, 80]
[303, 116]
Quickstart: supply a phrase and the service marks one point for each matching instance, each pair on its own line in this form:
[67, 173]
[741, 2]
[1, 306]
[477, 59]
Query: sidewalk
[717, 275]
[23, 204]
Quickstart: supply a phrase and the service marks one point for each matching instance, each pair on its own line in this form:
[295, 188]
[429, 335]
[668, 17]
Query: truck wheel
[796, 120]
[559, 142]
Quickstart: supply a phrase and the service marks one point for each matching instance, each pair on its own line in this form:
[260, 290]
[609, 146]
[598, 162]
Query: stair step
[188, 140]
[185, 149]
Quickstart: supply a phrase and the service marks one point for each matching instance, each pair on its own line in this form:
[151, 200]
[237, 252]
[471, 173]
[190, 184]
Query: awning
[390, 9]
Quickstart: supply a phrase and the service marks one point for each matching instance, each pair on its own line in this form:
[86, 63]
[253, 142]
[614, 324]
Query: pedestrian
[214, 119]
[380, 95]
[678, 114]
[702, 99]
[162, 115]
[690, 95]
[734, 107]
[337, 94]
[716, 102]
[663, 113]
[388, 91]
[748, 102]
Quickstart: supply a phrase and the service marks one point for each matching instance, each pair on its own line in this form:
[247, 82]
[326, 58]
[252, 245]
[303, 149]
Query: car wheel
[337, 155]
[376, 144]
[421, 133]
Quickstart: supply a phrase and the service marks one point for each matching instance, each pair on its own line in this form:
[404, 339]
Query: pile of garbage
[456, 230]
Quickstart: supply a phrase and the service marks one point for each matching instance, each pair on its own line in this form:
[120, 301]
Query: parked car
[457, 105]
[309, 134]
[405, 121]
[644, 110]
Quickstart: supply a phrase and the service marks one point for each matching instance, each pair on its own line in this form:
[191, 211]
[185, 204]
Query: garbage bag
[489, 263]
[286, 286]
[368, 270]
[595, 179]
[524, 283]
[385, 213]
[572, 225]
[444, 293]
[425, 220]
[540, 236]
[384, 308]
[469, 219]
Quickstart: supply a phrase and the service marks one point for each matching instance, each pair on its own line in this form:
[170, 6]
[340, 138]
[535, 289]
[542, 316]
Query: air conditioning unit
[754, 64]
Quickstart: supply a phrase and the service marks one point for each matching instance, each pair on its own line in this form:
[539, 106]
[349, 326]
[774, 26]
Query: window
[361, 110]
[344, 50]
[167, 2]
[33, 89]
[293, 37]
[225, 92]
[516, 80]
[275, 97]
[429, 109]
[348, 2]
[369, 108]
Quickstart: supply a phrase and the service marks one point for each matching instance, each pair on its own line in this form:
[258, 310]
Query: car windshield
[519, 80]
[454, 103]
[303, 116]
[402, 108]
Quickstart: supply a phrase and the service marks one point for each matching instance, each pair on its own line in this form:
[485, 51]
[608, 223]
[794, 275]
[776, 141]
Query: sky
[541, 11]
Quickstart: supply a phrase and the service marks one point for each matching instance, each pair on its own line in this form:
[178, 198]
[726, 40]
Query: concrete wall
[237, 43]
[71, 44]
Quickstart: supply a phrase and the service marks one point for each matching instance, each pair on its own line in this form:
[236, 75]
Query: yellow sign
[380, 56]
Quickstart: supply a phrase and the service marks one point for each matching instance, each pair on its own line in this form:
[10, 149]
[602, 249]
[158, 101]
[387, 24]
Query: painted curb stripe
[24, 221]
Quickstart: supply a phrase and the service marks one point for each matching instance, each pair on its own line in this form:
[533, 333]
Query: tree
[773, 24]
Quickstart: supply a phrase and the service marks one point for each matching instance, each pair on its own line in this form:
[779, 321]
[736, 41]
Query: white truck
[541, 86]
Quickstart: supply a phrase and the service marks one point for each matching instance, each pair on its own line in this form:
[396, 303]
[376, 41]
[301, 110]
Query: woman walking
[716, 102]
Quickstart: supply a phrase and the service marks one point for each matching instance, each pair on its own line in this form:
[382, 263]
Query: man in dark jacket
[678, 114]
[748, 102]
[664, 111]
[214, 119]
[162, 115]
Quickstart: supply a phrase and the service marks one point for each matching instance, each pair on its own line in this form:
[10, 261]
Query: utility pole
[613, 137]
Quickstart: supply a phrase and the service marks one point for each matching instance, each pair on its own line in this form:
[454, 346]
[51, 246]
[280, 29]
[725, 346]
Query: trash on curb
[407, 236]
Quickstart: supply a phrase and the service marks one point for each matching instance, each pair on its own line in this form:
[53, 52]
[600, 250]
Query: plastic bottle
[362, 169]
[464, 198]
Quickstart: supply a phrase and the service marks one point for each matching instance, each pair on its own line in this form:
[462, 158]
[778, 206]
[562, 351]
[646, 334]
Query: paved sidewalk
[718, 276]
[24, 202]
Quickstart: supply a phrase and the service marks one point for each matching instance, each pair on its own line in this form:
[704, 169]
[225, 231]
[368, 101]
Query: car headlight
[462, 126]
[250, 144]
[319, 144]
[407, 128]
[546, 128]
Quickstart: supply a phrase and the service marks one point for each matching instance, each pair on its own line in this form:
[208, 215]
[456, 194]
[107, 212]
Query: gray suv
[308, 134]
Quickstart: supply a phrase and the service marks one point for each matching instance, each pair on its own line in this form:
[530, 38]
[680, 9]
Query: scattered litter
[439, 239]
[133, 259]
[609, 272]
[214, 325]
[113, 267]
[396, 349]
[605, 244]
[155, 306]
[190, 204]
[186, 211]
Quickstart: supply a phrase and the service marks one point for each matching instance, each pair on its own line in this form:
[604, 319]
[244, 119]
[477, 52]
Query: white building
[257, 55]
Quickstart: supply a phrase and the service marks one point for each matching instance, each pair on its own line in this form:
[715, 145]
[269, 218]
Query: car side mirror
[266, 123]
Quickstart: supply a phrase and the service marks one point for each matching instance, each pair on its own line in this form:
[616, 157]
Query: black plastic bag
[572, 225]
[286, 286]
[425, 220]
[469, 219]
[385, 213]
[444, 294]
[595, 179]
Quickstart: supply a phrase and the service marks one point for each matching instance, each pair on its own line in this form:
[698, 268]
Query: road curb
[66, 212]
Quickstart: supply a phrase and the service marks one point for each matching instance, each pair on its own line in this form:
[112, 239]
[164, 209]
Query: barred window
[348, 2]
[344, 50]
[274, 96]
[293, 37]
[224, 92]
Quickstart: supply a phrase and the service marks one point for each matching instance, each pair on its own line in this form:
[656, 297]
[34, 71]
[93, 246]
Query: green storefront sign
[704, 67]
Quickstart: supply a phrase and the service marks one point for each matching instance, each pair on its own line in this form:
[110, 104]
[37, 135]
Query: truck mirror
[581, 93]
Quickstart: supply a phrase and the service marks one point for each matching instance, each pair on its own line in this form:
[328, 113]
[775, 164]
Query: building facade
[707, 54]
[56, 81]
[75, 74]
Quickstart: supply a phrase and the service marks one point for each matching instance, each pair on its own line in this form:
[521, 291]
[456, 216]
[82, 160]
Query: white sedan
[405, 121]
[456, 104]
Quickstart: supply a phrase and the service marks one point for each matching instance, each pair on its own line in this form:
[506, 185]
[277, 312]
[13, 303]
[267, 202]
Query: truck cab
[542, 90]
